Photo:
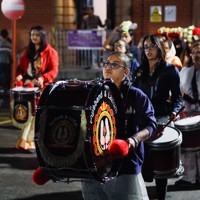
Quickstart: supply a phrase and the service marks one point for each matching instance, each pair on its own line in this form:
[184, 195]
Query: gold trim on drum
[104, 129]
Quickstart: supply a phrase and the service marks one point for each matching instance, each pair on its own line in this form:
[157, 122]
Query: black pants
[5, 76]
[147, 172]
[161, 188]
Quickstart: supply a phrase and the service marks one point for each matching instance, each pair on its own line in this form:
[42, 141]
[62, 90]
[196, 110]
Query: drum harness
[33, 71]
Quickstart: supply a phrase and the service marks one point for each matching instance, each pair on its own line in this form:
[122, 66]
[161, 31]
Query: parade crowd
[159, 81]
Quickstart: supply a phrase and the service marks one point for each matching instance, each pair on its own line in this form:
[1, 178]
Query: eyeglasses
[195, 53]
[151, 47]
[113, 65]
[119, 46]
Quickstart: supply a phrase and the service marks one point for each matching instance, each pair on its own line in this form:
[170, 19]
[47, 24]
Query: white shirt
[186, 75]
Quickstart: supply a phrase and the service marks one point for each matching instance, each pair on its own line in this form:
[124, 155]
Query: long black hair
[144, 67]
[43, 44]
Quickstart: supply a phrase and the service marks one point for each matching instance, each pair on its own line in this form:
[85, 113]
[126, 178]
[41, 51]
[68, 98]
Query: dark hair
[43, 43]
[124, 58]
[169, 43]
[144, 60]
[195, 45]
[155, 40]
[90, 8]
[126, 44]
[4, 33]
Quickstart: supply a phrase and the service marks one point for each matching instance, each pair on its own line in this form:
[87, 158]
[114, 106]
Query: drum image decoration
[190, 128]
[164, 153]
[23, 104]
[106, 123]
[64, 128]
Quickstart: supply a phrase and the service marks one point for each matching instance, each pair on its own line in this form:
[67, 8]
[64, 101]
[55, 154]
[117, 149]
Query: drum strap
[194, 87]
[33, 69]
[190, 100]
[125, 91]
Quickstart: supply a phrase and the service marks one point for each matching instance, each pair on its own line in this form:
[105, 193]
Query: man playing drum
[140, 123]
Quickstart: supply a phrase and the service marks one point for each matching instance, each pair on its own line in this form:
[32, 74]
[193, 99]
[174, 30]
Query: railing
[76, 58]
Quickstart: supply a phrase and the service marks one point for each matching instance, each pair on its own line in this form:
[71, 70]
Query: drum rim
[188, 128]
[169, 144]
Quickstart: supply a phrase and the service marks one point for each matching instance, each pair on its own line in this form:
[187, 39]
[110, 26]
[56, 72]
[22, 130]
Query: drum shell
[27, 95]
[191, 135]
[23, 104]
[59, 102]
[164, 157]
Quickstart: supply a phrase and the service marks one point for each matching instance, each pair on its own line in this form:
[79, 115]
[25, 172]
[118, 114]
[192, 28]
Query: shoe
[182, 183]
[32, 151]
[187, 184]
[197, 184]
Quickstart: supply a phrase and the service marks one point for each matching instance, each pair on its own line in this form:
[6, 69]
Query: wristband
[136, 142]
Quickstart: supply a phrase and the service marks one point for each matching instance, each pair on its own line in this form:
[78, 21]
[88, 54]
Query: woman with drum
[161, 82]
[38, 66]
[139, 124]
[190, 124]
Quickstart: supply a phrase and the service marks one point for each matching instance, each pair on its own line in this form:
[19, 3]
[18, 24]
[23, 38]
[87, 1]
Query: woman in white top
[190, 83]
[170, 54]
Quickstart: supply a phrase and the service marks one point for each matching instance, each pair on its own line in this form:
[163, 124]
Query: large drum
[190, 128]
[23, 104]
[163, 154]
[71, 120]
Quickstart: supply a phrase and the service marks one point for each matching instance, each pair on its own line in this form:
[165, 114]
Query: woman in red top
[38, 66]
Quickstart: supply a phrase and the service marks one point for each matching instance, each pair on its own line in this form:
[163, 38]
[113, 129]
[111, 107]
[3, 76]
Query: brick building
[66, 14]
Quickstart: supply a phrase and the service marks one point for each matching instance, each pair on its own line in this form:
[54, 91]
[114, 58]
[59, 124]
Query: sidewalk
[17, 169]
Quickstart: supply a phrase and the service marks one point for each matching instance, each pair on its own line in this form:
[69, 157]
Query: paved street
[16, 169]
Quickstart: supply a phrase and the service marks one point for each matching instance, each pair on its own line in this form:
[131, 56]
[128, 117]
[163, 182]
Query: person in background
[140, 124]
[190, 84]
[5, 35]
[121, 46]
[5, 63]
[160, 81]
[123, 31]
[185, 57]
[170, 54]
[90, 20]
[38, 65]
[178, 44]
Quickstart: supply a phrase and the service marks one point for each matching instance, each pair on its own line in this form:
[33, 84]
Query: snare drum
[164, 153]
[23, 104]
[190, 128]
[67, 129]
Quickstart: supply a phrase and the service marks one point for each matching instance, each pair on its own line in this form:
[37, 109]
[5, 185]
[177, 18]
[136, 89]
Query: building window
[65, 14]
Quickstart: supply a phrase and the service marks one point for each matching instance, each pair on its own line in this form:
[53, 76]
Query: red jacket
[49, 64]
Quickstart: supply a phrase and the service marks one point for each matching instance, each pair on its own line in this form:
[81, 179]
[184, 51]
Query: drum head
[168, 138]
[105, 123]
[189, 123]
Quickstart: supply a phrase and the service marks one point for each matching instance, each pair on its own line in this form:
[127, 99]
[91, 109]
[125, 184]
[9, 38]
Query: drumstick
[159, 131]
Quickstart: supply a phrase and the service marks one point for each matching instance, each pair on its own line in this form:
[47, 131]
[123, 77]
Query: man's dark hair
[4, 33]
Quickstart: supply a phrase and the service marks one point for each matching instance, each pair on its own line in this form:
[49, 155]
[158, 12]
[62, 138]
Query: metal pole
[13, 68]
